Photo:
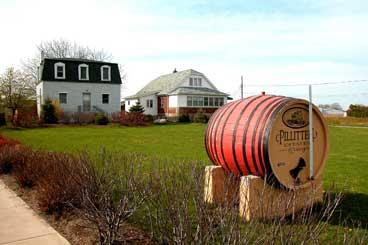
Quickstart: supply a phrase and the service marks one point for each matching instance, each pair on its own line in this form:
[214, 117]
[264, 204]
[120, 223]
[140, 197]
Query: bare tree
[62, 48]
[15, 89]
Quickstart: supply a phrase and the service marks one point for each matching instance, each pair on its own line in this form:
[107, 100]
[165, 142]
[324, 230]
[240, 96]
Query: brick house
[184, 92]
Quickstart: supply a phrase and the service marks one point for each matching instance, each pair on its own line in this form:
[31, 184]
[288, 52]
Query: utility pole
[241, 88]
[311, 147]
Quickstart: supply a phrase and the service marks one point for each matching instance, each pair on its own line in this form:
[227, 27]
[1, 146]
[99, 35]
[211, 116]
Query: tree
[15, 90]
[48, 113]
[61, 48]
[137, 108]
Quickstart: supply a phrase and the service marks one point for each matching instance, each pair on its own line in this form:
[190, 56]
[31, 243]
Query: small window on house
[195, 101]
[59, 70]
[200, 101]
[105, 98]
[221, 101]
[83, 72]
[210, 101]
[199, 82]
[195, 82]
[216, 101]
[190, 81]
[128, 102]
[63, 98]
[151, 104]
[205, 101]
[105, 73]
[189, 101]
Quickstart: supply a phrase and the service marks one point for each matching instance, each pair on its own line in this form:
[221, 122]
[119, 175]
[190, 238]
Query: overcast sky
[267, 41]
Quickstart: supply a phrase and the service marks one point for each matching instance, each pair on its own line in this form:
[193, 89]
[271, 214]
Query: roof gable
[167, 83]
[72, 71]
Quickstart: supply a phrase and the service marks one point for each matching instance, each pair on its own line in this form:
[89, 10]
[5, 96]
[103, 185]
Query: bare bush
[178, 215]
[110, 191]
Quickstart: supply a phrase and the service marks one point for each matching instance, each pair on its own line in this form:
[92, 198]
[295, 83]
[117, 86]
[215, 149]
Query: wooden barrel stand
[255, 198]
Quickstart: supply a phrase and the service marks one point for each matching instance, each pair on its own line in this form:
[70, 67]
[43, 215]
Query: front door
[86, 101]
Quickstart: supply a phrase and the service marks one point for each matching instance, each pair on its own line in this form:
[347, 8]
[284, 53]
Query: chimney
[175, 71]
[263, 93]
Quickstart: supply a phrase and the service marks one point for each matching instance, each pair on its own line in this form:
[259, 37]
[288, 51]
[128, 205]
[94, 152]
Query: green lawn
[347, 164]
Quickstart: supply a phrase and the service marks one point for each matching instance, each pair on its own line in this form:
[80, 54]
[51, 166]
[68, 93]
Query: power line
[305, 84]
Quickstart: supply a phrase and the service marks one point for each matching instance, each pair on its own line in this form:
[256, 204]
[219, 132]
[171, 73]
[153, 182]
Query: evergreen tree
[137, 108]
[48, 113]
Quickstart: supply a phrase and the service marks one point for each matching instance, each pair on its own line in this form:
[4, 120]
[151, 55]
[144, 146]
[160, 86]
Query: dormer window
[105, 73]
[83, 72]
[59, 70]
[195, 82]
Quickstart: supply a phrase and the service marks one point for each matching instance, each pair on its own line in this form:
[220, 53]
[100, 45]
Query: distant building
[79, 85]
[328, 112]
[184, 92]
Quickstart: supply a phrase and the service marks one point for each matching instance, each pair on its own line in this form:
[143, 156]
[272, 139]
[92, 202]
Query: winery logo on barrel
[295, 117]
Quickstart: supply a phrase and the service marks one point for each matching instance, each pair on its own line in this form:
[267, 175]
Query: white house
[184, 92]
[79, 85]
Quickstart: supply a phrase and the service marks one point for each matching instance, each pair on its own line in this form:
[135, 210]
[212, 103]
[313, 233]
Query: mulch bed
[76, 230]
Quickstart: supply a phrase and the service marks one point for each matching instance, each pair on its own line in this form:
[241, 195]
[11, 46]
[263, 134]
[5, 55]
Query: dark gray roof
[167, 84]
[71, 70]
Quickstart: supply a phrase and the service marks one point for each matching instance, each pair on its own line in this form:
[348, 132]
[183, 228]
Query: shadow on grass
[352, 211]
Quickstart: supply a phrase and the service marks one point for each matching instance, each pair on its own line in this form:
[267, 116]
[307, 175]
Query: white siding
[147, 110]
[205, 83]
[129, 103]
[173, 100]
[75, 90]
[143, 100]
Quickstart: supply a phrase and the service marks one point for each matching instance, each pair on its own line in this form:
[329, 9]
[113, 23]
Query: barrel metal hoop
[244, 146]
[255, 130]
[234, 134]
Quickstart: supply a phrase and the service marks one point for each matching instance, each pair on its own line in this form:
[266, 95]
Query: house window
[216, 101]
[221, 101]
[63, 98]
[83, 72]
[105, 73]
[189, 101]
[199, 82]
[59, 70]
[210, 101]
[149, 103]
[190, 81]
[105, 98]
[128, 102]
[205, 101]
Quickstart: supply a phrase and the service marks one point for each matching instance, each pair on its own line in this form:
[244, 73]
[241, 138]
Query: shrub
[26, 119]
[101, 119]
[9, 155]
[137, 108]
[30, 167]
[357, 111]
[200, 117]
[115, 116]
[2, 119]
[48, 113]
[56, 187]
[184, 118]
[111, 190]
[133, 119]
[77, 118]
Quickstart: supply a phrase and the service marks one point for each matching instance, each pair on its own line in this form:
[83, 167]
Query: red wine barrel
[268, 136]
